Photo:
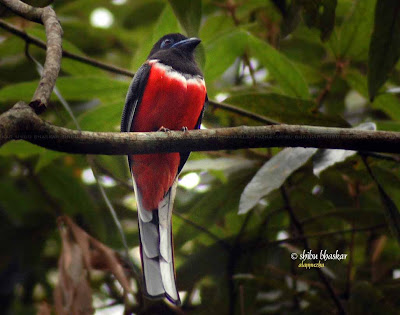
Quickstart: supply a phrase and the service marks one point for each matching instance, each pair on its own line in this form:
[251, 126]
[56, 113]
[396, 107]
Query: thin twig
[388, 157]
[322, 234]
[318, 216]
[107, 172]
[340, 65]
[65, 53]
[223, 243]
[293, 265]
[230, 6]
[247, 61]
[274, 270]
[234, 256]
[356, 196]
[351, 260]
[298, 226]
[324, 93]
[243, 112]
[241, 299]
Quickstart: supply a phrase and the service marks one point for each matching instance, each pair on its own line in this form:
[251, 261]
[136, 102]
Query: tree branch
[52, 65]
[320, 235]
[24, 10]
[21, 123]
[65, 53]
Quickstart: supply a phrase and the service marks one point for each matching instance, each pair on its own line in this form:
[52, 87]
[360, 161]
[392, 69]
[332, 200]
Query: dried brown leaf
[99, 256]
[96, 255]
[80, 254]
[378, 247]
[73, 294]
[44, 309]
[104, 256]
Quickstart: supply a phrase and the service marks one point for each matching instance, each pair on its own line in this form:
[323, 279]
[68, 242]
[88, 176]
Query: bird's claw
[163, 129]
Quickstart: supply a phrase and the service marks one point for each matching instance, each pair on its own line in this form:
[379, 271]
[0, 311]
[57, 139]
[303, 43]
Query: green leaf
[69, 192]
[166, 23]
[188, 14]
[140, 14]
[46, 157]
[320, 14]
[11, 46]
[327, 18]
[356, 30]
[19, 91]
[86, 88]
[387, 102]
[311, 74]
[23, 149]
[20, 148]
[389, 187]
[102, 118]
[283, 71]
[366, 299]
[20, 210]
[214, 26]
[69, 65]
[272, 175]
[72, 88]
[284, 109]
[208, 208]
[292, 18]
[388, 125]
[197, 266]
[384, 51]
[222, 52]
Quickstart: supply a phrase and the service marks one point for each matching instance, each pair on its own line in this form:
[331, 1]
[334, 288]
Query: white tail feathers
[155, 232]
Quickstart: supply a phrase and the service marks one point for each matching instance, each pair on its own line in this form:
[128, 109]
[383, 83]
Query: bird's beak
[187, 44]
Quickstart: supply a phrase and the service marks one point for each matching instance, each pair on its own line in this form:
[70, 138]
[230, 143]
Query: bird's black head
[177, 51]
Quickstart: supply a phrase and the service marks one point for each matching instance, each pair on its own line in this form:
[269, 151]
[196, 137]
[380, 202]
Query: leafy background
[322, 62]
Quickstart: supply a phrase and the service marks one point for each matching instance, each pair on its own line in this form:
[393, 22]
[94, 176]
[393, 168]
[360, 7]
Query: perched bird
[167, 93]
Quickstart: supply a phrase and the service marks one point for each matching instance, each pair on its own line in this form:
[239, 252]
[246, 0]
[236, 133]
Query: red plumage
[170, 101]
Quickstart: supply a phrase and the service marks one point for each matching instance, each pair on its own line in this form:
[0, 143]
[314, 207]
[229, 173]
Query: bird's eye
[166, 43]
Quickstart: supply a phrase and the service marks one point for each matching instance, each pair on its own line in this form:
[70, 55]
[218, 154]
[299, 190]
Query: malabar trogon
[167, 92]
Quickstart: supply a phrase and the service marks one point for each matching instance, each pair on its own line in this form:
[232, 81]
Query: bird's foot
[163, 129]
[184, 129]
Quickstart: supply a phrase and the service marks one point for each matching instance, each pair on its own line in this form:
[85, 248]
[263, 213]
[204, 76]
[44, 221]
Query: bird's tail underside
[156, 248]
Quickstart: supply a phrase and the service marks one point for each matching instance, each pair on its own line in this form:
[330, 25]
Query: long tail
[156, 248]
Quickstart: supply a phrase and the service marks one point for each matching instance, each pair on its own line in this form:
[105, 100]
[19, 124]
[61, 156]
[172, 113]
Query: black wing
[134, 96]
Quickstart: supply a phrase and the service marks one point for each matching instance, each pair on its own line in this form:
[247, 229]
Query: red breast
[171, 100]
